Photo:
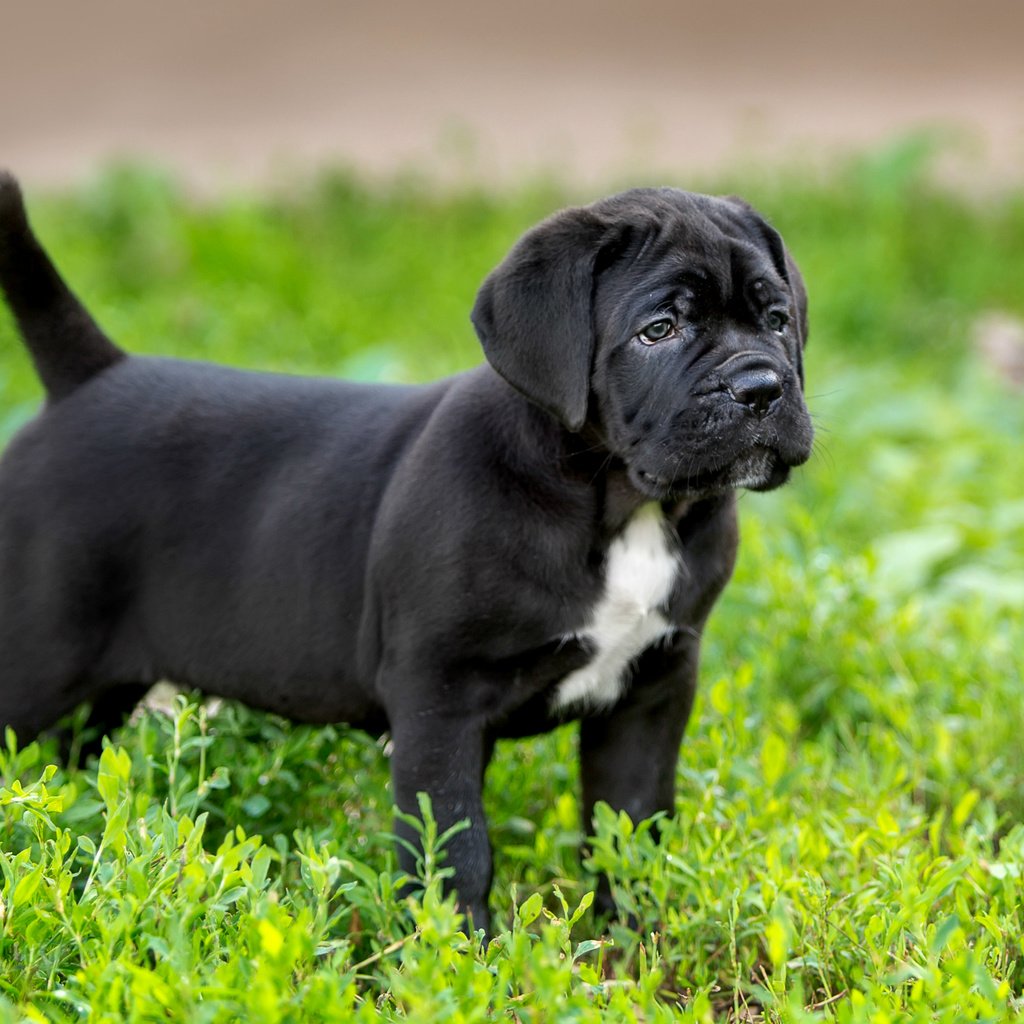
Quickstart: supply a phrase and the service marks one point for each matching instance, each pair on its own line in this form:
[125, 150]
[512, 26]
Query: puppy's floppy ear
[534, 313]
[796, 286]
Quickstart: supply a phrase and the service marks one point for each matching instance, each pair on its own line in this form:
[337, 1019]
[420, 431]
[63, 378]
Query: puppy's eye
[777, 320]
[657, 331]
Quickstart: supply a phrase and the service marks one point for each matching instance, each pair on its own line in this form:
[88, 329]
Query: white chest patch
[640, 571]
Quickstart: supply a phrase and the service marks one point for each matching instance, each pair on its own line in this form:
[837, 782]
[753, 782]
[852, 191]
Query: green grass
[849, 836]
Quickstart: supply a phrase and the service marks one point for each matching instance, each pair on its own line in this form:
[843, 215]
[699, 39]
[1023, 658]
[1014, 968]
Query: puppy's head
[672, 324]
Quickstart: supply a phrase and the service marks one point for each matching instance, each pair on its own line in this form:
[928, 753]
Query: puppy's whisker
[605, 463]
[821, 450]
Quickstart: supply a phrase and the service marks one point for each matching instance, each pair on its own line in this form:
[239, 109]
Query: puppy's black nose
[756, 388]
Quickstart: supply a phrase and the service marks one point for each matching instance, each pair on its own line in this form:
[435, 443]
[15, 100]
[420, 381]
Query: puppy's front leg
[446, 757]
[628, 755]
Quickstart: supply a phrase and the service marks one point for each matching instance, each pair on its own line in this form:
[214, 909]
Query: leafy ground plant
[848, 842]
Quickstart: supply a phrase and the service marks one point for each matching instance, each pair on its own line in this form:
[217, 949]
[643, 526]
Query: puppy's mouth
[762, 473]
[760, 469]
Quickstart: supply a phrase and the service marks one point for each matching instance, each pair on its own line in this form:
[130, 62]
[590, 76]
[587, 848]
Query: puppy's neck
[584, 458]
[620, 500]
[587, 457]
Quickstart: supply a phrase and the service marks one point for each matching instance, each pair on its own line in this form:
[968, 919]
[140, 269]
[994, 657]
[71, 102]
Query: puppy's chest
[641, 569]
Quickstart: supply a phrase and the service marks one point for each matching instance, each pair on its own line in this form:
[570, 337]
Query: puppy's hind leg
[49, 644]
[106, 712]
[43, 682]
[42, 675]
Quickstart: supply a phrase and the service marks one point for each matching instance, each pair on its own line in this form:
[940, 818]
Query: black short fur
[419, 559]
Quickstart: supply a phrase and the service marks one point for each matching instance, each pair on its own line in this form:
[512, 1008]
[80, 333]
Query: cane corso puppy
[537, 540]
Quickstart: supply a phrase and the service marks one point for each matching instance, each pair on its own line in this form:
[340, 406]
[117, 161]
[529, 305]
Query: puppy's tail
[65, 343]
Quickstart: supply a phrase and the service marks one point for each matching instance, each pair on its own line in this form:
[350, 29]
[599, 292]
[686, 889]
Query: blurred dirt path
[234, 91]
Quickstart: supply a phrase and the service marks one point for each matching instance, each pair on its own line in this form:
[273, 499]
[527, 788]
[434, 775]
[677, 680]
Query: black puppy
[539, 539]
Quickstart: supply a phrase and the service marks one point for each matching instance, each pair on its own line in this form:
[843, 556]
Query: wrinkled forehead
[674, 238]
